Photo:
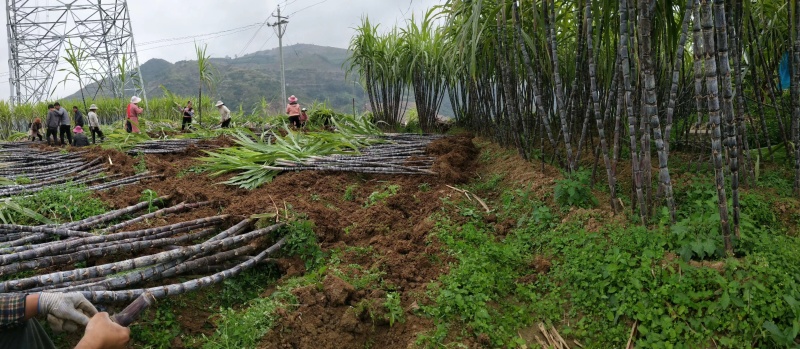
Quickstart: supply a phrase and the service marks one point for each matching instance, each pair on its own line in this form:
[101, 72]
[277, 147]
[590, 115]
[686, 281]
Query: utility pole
[280, 29]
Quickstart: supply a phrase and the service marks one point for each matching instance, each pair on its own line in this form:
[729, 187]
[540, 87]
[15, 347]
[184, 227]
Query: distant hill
[313, 73]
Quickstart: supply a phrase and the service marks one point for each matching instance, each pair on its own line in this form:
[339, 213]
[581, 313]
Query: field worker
[293, 109]
[65, 125]
[133, 114]
[64, 312]
[35, 127]
[224, 115]
[188, 114]
[52, 122]
[94, 124]
[78, 116]
[303, 117]
[80, 139]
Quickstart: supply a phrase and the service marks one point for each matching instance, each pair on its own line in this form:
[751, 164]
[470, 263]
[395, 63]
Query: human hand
[102, 333]
[65, 311]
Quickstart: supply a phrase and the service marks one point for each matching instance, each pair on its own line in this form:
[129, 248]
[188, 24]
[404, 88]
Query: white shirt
[93, 122]
[225, 113]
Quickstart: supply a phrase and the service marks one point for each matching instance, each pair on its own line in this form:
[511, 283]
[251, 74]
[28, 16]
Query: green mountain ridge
[313, 73]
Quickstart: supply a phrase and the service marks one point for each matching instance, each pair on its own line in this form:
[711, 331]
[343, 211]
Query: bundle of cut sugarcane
[399, 154]
[226, 254]
[166, 146]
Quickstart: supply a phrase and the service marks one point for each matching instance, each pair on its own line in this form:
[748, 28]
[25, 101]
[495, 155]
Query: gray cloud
[319, 22]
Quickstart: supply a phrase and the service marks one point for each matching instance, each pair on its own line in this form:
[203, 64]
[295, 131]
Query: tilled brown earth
[335, 315]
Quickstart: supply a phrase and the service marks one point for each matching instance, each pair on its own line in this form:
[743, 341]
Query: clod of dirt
[349, 321]
[308, 296]
[455, 158]
[336, 290]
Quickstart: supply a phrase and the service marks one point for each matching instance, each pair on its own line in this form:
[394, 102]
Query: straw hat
[219, 104]
[93, 107]
[304, 109]
[77, 129]
[135, 99]
[292, 99]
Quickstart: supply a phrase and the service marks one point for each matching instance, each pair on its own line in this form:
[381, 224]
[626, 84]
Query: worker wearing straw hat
[133, 115]
[293, 109]
[224, 115]
[94, 124]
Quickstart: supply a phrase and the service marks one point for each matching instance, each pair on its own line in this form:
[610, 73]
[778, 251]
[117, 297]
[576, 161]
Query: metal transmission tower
[280, 29]
[97, 32]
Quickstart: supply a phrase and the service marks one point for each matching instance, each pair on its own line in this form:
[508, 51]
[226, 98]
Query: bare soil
[396, 229]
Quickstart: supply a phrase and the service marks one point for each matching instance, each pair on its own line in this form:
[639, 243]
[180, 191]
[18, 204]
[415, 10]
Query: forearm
[31, 305]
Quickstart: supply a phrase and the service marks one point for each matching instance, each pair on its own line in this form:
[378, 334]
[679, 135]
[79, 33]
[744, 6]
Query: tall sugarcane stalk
[558, 87]
[612, 180]
[714, 119]
[626, 78]
[651, 106]
[795, 92]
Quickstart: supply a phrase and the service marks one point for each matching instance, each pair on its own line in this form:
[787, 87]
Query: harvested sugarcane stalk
[176, 289]
[112, 215]
[139, 262]
[56, 248]
[132, 312]
[80, 256]
[162, 212]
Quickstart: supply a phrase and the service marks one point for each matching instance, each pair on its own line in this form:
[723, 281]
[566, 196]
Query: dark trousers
[65, 131]
[186, 121]
[28, 335]
[37, 134]
[295, 120]
[97, 131]
[54, 132]
[225, 124]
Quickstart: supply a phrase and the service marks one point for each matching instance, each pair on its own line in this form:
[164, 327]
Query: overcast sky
[319, 22]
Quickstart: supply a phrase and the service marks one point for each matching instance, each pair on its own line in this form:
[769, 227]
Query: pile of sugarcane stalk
[398, 154]
[130, 266]
[166, 146]
[45, 169]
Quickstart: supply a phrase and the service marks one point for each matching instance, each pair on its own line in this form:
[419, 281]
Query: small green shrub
[350, 193]
[574, 191]
[302, 242]
[394, 311]
[378, 196]
[141, 165]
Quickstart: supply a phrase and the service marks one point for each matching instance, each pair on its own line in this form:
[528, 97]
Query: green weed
[379, 196]
[394, 311]
[158, 330]
[141, 165]
[350, 193]
[574, 191]
[302, 241]
[63, 203]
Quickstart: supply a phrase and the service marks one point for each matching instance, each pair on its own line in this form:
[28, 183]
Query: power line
[307, 7]
[196, 36]
[266, 41]
[203, 40]
[280, 29]
[253, 37]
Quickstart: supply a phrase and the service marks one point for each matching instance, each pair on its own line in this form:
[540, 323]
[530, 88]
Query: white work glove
[65, 311]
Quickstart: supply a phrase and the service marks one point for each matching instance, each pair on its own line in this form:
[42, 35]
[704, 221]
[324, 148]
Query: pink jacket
[134, 110]
[293, 109]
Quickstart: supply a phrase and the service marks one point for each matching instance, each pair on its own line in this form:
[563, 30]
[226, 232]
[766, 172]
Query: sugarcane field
[422, 174]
